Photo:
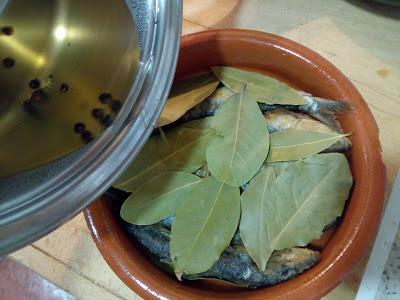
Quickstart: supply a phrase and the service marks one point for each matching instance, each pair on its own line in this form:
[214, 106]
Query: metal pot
[91, 44]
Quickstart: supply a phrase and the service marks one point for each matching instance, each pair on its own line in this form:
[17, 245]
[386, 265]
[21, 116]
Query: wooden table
[362, 39]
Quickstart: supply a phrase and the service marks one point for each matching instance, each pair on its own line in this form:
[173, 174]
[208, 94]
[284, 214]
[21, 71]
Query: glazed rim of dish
[361, 218]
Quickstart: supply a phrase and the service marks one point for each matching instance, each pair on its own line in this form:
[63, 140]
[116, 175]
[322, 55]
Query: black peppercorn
[79, 127]
[107, 121]
[38, 95]
[116, 105]
[64, 88]
[8, 62]
[7, 30]
[34, 84]
[86, 136]
[98, 113]
[29, 107]
[105, 98]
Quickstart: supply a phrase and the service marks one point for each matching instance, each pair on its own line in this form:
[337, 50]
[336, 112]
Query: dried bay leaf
[185, 95]
[253, 221]
[306, 196]
[295, 144]
[158, 198]
[241, 143]
[204, 226]
[182, 149]
[261, 87]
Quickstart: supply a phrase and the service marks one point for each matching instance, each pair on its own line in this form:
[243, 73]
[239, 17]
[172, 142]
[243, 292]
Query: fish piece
[210, 106]
[202, 172]
[235, 265]
[167, 222]
[237, 240]
[244, 187]
[282, 119]
[324, 110]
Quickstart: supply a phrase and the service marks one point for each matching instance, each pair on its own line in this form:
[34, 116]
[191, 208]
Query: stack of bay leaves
[235, 185]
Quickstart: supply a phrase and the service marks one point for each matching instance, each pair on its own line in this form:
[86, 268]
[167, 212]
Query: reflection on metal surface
[90, 46]
[36, 202]
[60, 33]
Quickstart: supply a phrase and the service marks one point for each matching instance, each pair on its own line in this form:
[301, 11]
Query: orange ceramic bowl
[306, 70]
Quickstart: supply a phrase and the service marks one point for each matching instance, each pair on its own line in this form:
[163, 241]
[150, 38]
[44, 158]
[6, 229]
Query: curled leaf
[182, 149]
[158, 198]
[261, 87]
[204, 226]
[241, 143]
[296, 144]
[185, 95]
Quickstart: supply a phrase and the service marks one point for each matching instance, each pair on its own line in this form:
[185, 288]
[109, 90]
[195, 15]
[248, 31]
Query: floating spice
[115, 105]
[64, 88]
[105, 98]
[38, 95]
[29, 107]
[79, 127]
[8, 62]
[107, 121]
[34, 84]
[86, 136]
[98, 113]
[7, 30]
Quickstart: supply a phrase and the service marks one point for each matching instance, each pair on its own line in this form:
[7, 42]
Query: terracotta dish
[306, 70]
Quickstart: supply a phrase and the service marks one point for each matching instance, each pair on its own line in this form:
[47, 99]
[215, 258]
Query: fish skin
[210, 106]
[282, 119]
[235, 265]
[202, 172]
[321, 109]
[324, 110]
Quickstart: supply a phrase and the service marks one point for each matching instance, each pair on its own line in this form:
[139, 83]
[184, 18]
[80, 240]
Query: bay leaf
[182, 149]
[204, 226]
[158, 198]
[241, 143]
[306, 196]
[263, 88]
[294, 144]
[253, 221]
[185, 95]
